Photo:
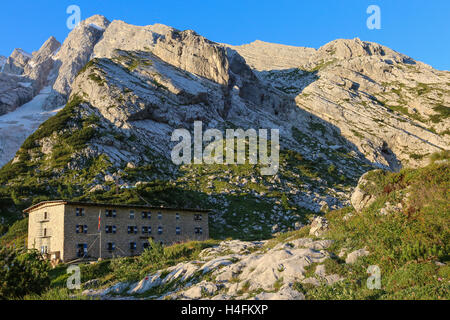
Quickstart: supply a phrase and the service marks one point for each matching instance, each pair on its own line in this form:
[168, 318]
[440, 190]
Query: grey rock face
[360, 199]
[14, 91]
[262, 55]
[24, 76]
[356, 86]
[193, 53]
[16, 62]
[75, 52]
[351, 48]
[39, 67]
[183, 49]
[2, 62]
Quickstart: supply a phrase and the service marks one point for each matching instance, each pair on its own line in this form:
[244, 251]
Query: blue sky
[420, 29]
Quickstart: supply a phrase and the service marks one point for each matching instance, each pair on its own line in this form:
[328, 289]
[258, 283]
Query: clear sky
[418, 28]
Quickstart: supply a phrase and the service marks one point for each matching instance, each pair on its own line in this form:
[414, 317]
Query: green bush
[22, 273]
[79, 138]
[331, 169]
[16, 235]
[443, 112]
[95, 270]
[443, 155]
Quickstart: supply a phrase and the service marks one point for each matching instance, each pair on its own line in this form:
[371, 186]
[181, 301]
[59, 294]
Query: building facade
[68, 230]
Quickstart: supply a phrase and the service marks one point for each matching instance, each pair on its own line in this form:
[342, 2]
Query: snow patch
[25, 84]
[93, 25]
[26, 54]
[17, 125]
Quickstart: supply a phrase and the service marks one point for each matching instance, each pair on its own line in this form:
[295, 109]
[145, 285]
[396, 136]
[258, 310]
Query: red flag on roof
[99, 219]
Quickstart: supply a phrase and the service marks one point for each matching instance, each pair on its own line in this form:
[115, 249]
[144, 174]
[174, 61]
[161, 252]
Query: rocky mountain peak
[75, 52]
[97, 20]
[351, 48]
[16, 62]
[23, 75]
[162, 28]
[261, 55]
[332, 83]
[19, 52]
[39, 67]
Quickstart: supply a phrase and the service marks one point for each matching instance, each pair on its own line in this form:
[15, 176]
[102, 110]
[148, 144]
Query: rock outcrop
[39, 67]
[183, 49]
[16, 62]
[23, 76]
[14, 91]
[360, 198]
[236, 270]
[382, 101]
[265, 56]
[2, 62]
[75, 52]
[353, 256]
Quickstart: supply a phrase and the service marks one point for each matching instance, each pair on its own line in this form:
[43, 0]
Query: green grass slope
[410, 244]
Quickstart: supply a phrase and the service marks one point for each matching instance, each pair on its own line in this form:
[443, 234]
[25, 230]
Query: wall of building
[121, 238]
[53, 239]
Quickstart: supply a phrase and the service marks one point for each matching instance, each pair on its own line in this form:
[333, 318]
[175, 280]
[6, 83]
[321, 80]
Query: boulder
[353, 256]
[116, 289]
[200, 290]
[311, 280]
[91, 283]
[97, 187]
[360, 199]
[298, 225]
[275, 228]
[146, 284]
[318, 226]
[183, 49]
